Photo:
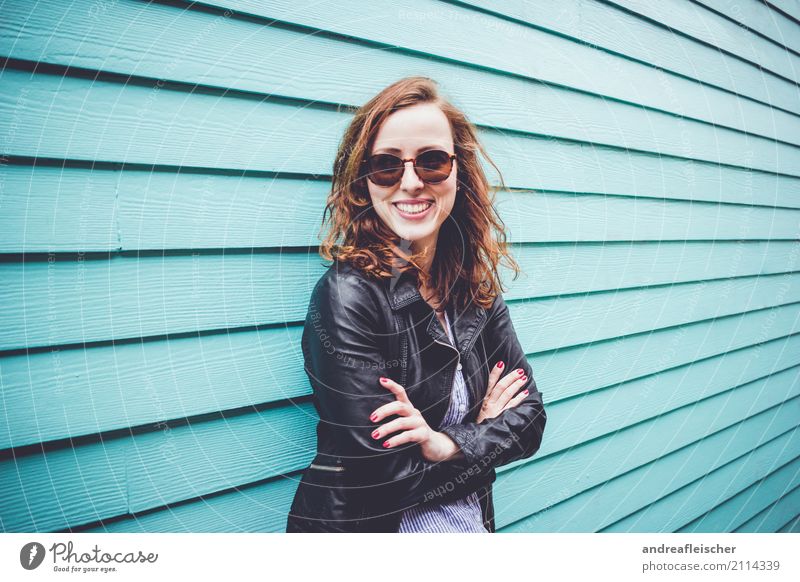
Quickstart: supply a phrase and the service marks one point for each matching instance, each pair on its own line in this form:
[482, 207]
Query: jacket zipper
[451, 347]
[450, 392]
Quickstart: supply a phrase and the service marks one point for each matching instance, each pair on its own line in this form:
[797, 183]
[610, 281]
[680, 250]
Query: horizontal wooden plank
[732, 512]
[704, 493]
[179, 222]
[264, 506]
[635, 218]
[595, 413]
[589, 465]
[593, 510]
[104, 479]
[758, 17]
[135, 117]
[66, 300]
[705, 26]
[110, 122]
[130, 297]
[46, 492]
[50, 209]
[216, 455]
[542, 47]
[787, 8]
[136, 384]
[122, 45]
[774, 516]
[791, 526]
[132, 384]
[643, 354]
[566, 321]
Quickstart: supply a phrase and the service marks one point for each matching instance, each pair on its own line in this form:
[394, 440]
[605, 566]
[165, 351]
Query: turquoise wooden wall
[164, 173]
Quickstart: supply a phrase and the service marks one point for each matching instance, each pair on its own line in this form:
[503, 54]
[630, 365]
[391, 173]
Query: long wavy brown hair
[471, 243]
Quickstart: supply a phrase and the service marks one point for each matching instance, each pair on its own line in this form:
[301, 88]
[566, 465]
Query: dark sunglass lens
[385, 169]
[434, 165]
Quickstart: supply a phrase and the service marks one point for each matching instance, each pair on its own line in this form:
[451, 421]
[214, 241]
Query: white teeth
[414, 208]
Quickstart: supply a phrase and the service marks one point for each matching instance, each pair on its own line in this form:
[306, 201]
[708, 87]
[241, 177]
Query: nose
[410, 181]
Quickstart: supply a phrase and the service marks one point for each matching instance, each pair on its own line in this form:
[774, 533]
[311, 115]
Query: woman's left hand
[435, 446]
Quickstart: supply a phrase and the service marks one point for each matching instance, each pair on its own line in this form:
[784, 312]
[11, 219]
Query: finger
[516, 400]
[494, 375]
[512, 389]
[393, 407]
[409, 436]
[496, 386]
[402, 423]
[504, 383]
[395, 389]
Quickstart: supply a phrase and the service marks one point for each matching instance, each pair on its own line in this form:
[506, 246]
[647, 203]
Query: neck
[430, 296]
[430, 245]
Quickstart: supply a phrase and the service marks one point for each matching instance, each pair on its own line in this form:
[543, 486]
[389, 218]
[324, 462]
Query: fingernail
[525, 392]
[520, 371]
[386, 445]
[383, 379]
[524, 378]
[373, 417]
[500, 364]
[375, 434]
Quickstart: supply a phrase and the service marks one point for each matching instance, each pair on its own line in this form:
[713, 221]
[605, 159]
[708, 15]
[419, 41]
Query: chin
[413, 234]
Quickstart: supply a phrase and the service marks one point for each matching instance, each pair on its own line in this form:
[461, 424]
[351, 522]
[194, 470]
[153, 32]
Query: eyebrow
[398, 150]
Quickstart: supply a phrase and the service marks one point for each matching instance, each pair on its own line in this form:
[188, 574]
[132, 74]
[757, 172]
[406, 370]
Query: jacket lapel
[466, 324]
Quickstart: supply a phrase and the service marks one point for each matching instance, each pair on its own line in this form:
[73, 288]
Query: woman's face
[407, 133]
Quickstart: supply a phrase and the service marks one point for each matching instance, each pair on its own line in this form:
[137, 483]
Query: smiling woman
[419, 379]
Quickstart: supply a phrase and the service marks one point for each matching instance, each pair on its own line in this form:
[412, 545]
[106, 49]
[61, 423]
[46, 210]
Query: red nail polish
[383, 379]
[386, 445]
[525, 392]
[524, 378]
[375, 434]
[373, 417]
[500, 365]
[520, 371]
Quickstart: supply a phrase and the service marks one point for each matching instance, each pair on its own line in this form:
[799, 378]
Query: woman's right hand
[500, 394]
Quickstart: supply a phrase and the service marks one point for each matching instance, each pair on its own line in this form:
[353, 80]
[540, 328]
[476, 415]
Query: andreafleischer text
[688, 549]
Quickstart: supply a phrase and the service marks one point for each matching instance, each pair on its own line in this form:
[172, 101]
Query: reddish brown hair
[470, 244]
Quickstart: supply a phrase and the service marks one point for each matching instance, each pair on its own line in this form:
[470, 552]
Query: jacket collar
[403, 291]
[466, 324]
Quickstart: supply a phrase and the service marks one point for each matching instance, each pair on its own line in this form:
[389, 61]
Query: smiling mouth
[415, 208]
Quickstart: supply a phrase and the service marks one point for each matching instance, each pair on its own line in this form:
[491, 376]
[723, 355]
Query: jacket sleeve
[344, 351]
[515, 433]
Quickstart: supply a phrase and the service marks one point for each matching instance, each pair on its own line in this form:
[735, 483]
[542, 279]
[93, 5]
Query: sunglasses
[432, 167]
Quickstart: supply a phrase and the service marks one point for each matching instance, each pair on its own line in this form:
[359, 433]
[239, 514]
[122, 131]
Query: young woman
[418, 377]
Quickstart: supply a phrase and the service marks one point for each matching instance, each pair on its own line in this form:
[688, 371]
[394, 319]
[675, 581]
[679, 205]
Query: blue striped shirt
[459, 515]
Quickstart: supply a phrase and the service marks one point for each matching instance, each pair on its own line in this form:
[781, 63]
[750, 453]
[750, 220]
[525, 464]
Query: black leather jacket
[358, 329]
